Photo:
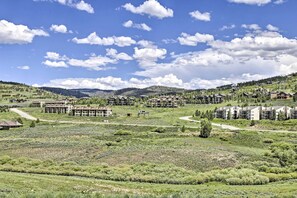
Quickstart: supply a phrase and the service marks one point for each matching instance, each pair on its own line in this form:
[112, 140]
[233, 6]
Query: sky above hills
[113, 44]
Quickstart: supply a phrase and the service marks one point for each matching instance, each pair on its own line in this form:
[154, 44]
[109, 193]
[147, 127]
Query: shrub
[32, 125]
[122, 133]
[253, 123]
[19, 120]
[183, 129]
[159, 130]
[284, 152]
[205, 129]
[268, 141]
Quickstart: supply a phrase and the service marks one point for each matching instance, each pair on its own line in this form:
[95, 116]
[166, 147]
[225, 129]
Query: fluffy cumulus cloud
[272, 28]
[77, 4]
[261, 52]
[141, 26]
[11, 33]
[52, 63]
[93, 62]
[150, 7]
[93, 39]
[258, 54]
[59, 29]
[149, 55]
[113, 53]
[25, 67]
[170, 80]
[200, 16]
[186, 39]
[112, 83]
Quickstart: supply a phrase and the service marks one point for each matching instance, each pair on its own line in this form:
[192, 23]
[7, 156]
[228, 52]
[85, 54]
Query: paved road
[223, 126]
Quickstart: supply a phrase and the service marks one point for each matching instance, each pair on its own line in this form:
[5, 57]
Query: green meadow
[114, 160]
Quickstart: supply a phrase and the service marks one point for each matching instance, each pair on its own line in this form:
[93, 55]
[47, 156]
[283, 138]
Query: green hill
[12, 92]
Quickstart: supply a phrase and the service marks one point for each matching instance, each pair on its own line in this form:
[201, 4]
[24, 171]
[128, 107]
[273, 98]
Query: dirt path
[223, 126]
[23, 114]
[233, 128]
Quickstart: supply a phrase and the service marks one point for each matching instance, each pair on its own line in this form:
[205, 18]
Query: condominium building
[121, 101]
[92, 111]
[166, 102]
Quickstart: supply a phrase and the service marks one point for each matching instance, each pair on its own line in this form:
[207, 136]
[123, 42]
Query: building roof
[58, 105]
[10, 124]
[91, 108]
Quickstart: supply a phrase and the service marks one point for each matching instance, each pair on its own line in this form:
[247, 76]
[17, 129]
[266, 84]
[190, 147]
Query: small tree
[19, 120]
[183, 129]
[281, 116]
[253, 123]
[205, 129]
[229, 115]
[37, 121]
[32, 125]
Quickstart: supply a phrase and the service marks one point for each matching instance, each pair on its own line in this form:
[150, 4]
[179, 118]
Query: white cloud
[113, 83]
[93, 39]
[77, 4]
[55, 63]
[227, 27]
[150, 7]
[279, 1]
[189, 40]
[24, 67]
[170, 80]
[148, 56]
[93, 63]
[142, 26]
[251, 2]
[272, 28]
[113, 53]
[59, 28]
[84, 6]
[251, 26]
[146, 44]
[55, 56]
[200, 16]
[258, 54]
[18, 34]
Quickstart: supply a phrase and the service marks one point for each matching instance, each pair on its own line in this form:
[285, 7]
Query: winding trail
[233, 128]
[223, 126]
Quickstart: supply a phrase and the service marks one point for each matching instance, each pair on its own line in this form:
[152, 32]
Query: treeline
[208, 114]
[65, 92]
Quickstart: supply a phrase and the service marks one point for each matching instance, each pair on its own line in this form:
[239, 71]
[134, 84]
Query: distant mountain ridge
[273, 83]
[136, 92]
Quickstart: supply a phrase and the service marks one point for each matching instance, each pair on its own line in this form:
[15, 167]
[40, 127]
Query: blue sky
[113, 44]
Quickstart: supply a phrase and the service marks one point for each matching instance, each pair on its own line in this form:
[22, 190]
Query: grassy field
[114, 160]
[30, 185]
[157, 116]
